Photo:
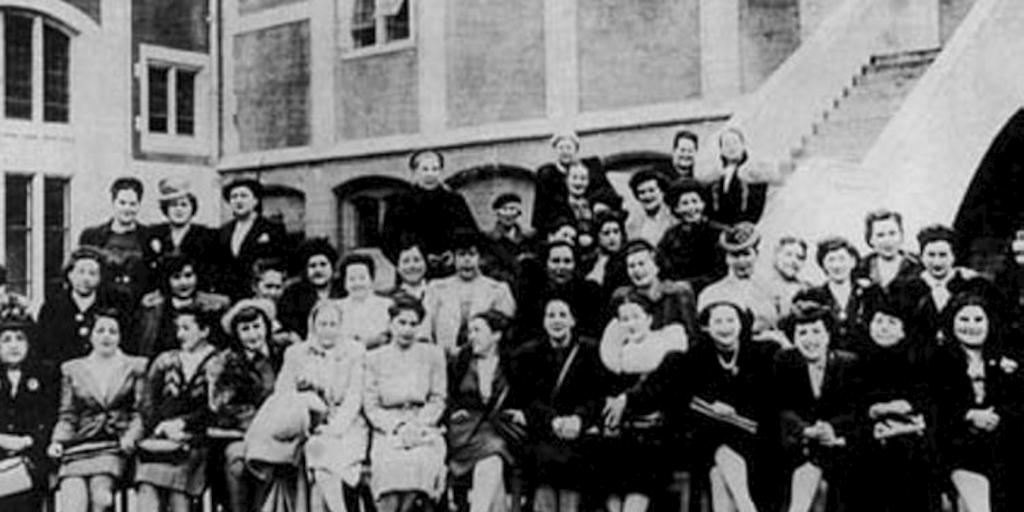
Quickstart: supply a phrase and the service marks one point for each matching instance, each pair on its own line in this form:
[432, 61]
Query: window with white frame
[36, 218]
[174, 106]
[36, 67]
[376, 23]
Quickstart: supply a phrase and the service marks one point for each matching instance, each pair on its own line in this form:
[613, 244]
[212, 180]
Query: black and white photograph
[512, 256]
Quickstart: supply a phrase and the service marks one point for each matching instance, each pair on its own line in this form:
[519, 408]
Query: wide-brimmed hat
[173, 188]
[265, 305]
[740, 237]
[250, 183]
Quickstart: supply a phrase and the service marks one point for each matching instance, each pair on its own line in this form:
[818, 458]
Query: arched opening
[362, 205]
[620, 166]
[992, 210]
[481, 184]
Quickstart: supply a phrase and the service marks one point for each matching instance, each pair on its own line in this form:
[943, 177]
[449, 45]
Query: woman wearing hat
[99, 420]
[243, 380]
[67, 315]
[246, 238]
[179, 234]
[28, 408]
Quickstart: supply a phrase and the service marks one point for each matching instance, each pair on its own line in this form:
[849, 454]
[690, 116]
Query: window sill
[380, 49]
[174, 144]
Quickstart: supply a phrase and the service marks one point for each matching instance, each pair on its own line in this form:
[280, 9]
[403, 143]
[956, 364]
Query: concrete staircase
[859, 115]
[826, 168]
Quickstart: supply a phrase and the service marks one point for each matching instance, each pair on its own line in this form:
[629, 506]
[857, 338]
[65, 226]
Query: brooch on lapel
[155, 245]
[33, 384]
[1008, 365]
[264, 238]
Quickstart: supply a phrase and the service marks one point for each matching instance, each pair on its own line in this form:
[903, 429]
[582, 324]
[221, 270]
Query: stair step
[900, 75]
[868, 127]
[908, 56]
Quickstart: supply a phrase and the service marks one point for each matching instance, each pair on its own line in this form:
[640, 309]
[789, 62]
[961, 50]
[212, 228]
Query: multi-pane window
[172, 99]
[56, 222]
[31, 40]
[379, 22]
[18, 209]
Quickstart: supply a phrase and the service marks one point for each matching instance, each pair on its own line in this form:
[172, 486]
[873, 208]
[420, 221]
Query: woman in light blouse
[327, 369]
[406, 389]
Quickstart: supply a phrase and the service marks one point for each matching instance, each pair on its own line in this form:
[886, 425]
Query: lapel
[122, 372]
[250, 238]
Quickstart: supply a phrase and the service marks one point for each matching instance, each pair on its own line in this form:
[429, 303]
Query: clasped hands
[824, 434]
[983, 419]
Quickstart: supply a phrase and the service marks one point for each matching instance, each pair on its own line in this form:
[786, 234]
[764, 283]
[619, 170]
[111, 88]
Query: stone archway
[361, 206]
[481, 184]
[991, 210]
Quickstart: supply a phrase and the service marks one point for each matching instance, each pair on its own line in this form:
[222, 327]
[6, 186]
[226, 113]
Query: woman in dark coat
[245, 239]
[727, 377]
[552, 184]
[99, 420]
[558, 380]
[608, 268]
[68, 315]
[485, 433]
[628, 454]
[817, 391]
[28, 407]
[689, 250]
[895, 457]
[180, 235]
[977, 385]
[843, 296]
[429, 212]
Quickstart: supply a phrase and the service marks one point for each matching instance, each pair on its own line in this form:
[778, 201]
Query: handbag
[162, 450]
[14, 476]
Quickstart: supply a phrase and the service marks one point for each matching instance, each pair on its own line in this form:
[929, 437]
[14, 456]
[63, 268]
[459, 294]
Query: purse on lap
[14, 476]
[162, 450]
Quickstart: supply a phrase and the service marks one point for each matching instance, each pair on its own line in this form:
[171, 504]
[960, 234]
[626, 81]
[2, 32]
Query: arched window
[31, 41]
[362, 205]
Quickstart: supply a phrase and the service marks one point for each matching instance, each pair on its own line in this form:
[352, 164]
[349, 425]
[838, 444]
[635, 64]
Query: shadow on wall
[992, 209]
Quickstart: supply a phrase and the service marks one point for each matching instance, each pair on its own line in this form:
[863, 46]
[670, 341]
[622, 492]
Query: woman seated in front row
[728, 376]
[817, 393]
[404, 399]
[99, 420]
[976, 382]
[244, 379]
[485, 433]
[895, 462]
[558, 380]
[28, 408]
[171, 468]
[631, 464]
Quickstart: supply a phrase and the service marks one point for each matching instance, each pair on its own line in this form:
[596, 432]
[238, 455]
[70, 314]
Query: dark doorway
[993, 207]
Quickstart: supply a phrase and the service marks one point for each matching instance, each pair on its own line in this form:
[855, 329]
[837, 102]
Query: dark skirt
[558, 463]
[475, 438]
[633, 460]
[897, 476]
[187, 475]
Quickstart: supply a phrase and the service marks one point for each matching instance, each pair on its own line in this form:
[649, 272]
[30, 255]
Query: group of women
[590, 396]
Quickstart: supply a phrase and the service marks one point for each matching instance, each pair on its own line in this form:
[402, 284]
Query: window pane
[55, 75]
[186, 102]
[158, 114]
[364, 31]
[397, 26]
[56, 235]
[18, 66]
[18, 205]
